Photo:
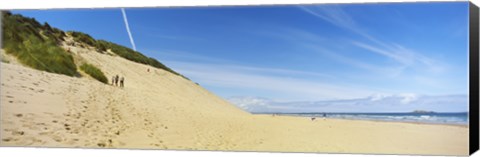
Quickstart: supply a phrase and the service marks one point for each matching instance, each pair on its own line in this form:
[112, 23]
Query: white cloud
[375, 103]
[408, 98]
[334, 15]
[337, 16]
[405, 56]
[251, 104]
[377, 97]
[128, 29]
[292, 83]
[387, 70]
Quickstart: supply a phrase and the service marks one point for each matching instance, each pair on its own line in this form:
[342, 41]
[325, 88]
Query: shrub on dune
[94, 72]
[24, 38]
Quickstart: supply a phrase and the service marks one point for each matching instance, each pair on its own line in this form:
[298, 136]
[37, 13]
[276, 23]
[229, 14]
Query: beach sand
[160, 110]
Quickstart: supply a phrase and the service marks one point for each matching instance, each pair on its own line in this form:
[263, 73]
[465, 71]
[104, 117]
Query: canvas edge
[474, 78]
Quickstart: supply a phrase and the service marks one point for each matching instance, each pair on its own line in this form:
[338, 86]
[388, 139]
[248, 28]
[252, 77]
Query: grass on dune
[36, 45]
[94, 72]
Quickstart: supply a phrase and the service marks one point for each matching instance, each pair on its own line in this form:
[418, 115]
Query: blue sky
[308, 53]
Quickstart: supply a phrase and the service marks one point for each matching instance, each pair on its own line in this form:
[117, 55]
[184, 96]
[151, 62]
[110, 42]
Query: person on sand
[113, 80]
[121, 81]
[116, 80]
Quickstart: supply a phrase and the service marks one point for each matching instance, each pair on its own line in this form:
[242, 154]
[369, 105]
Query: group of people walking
[116, 81]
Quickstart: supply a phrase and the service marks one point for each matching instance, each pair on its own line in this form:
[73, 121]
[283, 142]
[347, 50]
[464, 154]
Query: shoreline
[372, 120]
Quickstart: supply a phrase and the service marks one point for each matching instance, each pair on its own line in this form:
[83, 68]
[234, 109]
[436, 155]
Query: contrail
[128, 29]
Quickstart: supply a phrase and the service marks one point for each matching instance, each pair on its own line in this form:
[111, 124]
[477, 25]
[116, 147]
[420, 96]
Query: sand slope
[159, 110]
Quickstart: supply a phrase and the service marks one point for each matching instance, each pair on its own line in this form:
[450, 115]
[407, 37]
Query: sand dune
[160, 110]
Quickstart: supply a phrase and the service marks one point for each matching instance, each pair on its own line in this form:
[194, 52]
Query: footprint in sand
[57, 138]
[48, 113]
[45, 133]
[101, 144]
[7, 139]
[18, 133]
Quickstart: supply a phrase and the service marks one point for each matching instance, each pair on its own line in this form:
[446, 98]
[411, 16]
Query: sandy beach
[160, 110]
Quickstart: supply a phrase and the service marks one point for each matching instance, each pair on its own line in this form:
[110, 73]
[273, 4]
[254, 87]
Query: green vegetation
[36, 45]
[82, 37]
[122, 51]
[94, 72]
[130, 54]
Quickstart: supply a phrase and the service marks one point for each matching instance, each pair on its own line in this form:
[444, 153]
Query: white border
[50, 4]
[78, 152]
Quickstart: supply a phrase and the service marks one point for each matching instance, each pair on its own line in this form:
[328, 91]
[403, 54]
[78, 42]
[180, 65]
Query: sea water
[439, 118]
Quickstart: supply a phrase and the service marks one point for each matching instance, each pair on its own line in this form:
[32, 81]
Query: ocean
[435, 118]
